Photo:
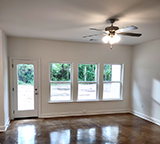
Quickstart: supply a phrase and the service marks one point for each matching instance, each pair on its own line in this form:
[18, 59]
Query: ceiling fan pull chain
[111, 46]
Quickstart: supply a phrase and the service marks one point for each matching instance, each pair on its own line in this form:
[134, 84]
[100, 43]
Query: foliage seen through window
[25, 73]
[60, 72]
[107, 72]
[87, 72]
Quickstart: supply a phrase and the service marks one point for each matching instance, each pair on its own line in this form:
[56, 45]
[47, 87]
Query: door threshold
[25, 118]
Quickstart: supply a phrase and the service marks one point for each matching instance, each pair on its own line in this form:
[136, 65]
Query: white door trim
[12, 84]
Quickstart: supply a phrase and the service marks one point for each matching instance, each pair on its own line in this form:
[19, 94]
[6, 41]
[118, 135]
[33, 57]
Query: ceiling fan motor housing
[111, 28]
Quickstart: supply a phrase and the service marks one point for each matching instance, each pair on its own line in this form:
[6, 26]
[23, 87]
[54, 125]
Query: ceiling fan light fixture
[113, 33]
[111, 39]
[106, 38]
[116, 38]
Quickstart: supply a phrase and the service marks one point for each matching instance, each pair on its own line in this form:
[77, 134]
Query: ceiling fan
[111, 33]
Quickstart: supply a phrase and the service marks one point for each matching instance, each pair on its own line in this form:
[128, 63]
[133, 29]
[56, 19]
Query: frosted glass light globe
[106, 38]
[117, 38]
[112, 40]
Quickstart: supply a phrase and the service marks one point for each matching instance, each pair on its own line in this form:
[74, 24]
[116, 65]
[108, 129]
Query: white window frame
[121, 84]
[93, 82]
[70, 82]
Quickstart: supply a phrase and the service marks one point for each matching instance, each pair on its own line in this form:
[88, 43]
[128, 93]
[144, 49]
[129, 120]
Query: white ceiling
[71, 19]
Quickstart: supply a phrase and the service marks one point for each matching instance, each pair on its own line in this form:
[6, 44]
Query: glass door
[25, 88]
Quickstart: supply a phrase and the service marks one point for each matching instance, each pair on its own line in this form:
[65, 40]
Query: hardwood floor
[100, 129]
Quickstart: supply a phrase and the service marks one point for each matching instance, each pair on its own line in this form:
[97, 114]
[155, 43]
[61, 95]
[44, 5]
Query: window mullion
[112, 82]
[86, 82]
[60, 81]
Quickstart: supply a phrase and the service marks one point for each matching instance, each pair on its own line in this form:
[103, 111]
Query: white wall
[4, 97]
[145, 96]
[48, 50]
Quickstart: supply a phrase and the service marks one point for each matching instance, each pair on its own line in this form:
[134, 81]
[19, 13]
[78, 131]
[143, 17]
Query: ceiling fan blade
[97, 29]
[130, 34]
[91, 40]
[129, 28]
[90, 35]
[93, 35]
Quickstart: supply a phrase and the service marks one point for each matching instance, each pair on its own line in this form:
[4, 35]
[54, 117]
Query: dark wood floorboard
[100, 129]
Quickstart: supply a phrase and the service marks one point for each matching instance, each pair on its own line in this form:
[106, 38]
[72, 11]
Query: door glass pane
[25, 86]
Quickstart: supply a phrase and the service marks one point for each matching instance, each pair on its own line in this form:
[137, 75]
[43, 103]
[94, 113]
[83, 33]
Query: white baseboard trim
[146, 117]
[99, 112]
[81, 113]
[4, 128]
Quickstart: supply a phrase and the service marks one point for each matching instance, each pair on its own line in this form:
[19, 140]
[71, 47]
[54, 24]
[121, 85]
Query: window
[60, 81]
[112, 81]
[87, 81]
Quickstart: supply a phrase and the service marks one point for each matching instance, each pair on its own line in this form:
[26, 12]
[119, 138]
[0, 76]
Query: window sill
[84, 101]
[79, 101]
[69, 101]
[106, 100]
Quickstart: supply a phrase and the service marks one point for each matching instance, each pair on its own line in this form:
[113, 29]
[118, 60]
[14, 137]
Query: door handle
[36, 93]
